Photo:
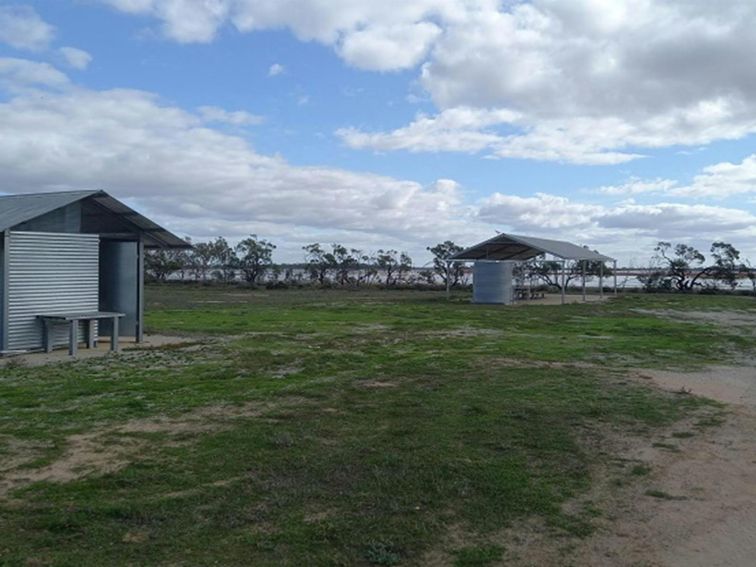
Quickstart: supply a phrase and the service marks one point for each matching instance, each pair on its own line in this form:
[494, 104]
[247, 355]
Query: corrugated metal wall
[49, 273]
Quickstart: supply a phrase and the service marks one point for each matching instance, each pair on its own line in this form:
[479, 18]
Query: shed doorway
[121, 287]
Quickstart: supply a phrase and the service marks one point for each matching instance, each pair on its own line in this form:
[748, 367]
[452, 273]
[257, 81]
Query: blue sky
[609, 124]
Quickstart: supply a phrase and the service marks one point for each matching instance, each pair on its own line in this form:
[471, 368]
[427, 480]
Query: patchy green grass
[331, 427]
[618, 332]
[478, 556]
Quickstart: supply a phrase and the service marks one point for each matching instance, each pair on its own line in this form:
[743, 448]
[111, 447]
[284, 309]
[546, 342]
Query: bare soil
[102, 349]
[110, 448]
[696, 506]
[710, 519]
[685, 497]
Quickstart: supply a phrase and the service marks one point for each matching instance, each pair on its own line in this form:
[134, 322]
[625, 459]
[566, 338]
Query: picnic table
[522, 293]
[73, 320]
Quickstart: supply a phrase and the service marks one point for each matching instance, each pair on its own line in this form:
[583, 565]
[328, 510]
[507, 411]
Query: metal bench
[72, 319]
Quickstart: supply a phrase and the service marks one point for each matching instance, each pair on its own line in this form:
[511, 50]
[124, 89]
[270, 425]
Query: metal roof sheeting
[520, 248]
[17, 209]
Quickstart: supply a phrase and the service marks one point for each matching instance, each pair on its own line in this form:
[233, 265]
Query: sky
[395, 124]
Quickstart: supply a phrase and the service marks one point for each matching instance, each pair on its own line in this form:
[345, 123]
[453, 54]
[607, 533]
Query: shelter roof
[18, 209]
[520, 248]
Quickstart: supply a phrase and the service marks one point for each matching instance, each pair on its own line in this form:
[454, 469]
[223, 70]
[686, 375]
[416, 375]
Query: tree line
[251, 261]
[674, 267]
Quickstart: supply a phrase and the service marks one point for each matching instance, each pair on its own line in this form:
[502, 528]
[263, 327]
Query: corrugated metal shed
[69, 253]
[519, 248]
[18, 209]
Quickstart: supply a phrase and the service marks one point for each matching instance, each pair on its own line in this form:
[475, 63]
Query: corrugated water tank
[492, 282]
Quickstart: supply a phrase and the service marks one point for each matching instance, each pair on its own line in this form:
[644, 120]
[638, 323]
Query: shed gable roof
[18, 209]
[516, 247]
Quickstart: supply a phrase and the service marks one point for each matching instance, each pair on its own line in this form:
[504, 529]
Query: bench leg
[73, 338]
[91, 342]
[47, 336]
[114, 335]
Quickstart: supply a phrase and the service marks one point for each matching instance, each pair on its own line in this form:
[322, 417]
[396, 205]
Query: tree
[162, 262]
[344, 261]
[405, 267]
[201, 259]
[683, 265]
[369, 269]
[655, 279]
[275, 272]
[319, 262]
[726, 267]
[183, 258]
[441, 253]
[750, 273]
[394, 265]
[224, 259]
[255, 257]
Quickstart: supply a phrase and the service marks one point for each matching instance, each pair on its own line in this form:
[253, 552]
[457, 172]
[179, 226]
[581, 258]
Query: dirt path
[698, 505]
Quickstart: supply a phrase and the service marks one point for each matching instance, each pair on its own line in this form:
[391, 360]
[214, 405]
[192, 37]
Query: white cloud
[18, 74]
[591, 82]
[186, 21]
[626, 228]
[540, 213]
[76, 58]
[723, 180]
[457, 129]
[201, 180]
[22, 28]
[388, 48]
[235, 118]
[636, 186]
[276, 69]
[676, 220]
[509, 134]
[387, 35]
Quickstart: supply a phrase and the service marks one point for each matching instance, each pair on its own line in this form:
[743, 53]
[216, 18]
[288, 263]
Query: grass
[337, 428]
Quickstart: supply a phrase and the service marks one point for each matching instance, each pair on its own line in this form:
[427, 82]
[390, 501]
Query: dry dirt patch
[697, 507]
[685, 497]
[109, 449]
[728, 384]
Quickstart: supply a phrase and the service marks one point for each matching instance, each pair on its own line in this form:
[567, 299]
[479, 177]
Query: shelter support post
[614, 271]
[601, 280]
[140, 293]
[564, 281]
[448, 280]
[582, 266]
